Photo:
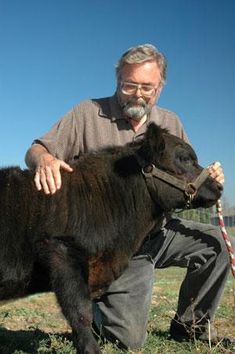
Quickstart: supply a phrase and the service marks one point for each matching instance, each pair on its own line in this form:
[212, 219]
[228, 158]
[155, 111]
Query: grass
[231, 230]
[35, 324]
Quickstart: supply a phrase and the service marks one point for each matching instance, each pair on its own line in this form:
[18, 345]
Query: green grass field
[231, 230]
[35, 324]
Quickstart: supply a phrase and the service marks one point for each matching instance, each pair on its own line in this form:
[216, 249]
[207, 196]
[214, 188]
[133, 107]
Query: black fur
[77, 241]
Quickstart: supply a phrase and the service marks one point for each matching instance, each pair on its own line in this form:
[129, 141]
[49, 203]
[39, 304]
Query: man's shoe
[182, 332]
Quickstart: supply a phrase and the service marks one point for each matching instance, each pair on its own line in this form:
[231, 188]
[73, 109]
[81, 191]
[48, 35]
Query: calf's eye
[185, 160]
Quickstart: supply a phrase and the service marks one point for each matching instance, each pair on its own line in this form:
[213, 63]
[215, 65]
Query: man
[122, 313]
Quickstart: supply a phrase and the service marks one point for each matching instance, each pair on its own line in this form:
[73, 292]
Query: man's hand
[47, 175]
[216, 172]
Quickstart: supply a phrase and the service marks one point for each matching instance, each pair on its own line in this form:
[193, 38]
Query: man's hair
[141, 54]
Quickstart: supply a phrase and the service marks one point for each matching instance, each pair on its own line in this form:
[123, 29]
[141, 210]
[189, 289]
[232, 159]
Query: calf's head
[176, 158]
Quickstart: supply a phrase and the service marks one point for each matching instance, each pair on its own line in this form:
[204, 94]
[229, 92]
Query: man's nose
[138, 92]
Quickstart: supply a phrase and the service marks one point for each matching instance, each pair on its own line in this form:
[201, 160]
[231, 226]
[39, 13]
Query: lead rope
[225, 236]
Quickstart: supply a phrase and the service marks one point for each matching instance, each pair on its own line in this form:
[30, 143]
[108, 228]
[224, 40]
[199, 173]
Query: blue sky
[56, 53]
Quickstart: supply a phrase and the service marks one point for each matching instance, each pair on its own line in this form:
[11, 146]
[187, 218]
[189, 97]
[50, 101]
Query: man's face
[135, 102]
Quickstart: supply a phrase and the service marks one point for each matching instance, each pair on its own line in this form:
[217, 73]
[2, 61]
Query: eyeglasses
[129, 88]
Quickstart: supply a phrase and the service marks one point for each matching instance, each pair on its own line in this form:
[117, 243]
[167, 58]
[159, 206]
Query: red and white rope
[226, 237]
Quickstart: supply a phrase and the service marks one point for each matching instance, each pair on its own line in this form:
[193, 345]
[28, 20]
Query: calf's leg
[70, 286]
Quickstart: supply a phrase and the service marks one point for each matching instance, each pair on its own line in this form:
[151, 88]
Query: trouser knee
[219, 242]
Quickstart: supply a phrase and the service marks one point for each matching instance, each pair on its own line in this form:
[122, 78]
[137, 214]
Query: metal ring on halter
[148, 169]
[190, 190]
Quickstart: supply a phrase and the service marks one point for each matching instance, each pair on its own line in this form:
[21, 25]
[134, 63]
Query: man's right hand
[47, 173]
[47, 168]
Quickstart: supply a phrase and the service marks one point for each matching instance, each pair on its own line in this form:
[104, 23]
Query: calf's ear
[153, 143]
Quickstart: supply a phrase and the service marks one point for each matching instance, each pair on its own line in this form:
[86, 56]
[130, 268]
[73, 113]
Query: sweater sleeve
[62, 140]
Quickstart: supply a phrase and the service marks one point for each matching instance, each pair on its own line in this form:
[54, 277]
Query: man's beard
[135, 108]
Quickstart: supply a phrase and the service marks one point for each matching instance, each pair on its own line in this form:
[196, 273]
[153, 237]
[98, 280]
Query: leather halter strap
[189, 188]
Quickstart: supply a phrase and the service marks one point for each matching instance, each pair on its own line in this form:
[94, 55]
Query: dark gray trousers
[122, 313]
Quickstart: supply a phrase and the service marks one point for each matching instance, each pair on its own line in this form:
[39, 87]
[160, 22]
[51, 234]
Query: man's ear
[153, 143]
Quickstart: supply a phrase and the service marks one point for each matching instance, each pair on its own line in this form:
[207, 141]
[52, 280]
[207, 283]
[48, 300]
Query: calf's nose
[220, 187]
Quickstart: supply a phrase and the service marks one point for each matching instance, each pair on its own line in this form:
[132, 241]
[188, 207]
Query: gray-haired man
[122, 313]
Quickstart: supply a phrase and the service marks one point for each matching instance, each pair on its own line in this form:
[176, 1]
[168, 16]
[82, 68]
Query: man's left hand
[216, 172]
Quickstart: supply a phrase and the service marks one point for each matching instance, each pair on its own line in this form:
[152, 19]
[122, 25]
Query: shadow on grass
[29, 341]
[162, 335]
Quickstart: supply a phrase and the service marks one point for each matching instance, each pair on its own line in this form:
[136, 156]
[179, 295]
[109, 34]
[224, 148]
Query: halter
[189, 188]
